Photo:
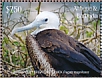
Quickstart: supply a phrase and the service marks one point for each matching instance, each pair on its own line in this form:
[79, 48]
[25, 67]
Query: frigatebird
[53, 53]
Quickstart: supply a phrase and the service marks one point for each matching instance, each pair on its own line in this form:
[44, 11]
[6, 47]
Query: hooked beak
[35, 23]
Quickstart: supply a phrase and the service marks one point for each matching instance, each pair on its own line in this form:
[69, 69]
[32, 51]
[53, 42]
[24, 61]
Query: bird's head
[45, 20]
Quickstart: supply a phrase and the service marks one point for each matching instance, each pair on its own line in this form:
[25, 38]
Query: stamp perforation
[0, 39]
[51, 0]
[47, 1]
[101, 35]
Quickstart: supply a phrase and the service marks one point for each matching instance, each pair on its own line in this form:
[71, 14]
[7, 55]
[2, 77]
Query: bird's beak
[35, 23]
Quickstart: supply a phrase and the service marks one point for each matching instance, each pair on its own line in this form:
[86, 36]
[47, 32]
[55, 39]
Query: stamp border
[0, 39]
[101, 36]
[48, 1]
[51, 1]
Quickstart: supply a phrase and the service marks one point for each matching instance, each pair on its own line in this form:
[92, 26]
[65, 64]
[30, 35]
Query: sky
[45, 6]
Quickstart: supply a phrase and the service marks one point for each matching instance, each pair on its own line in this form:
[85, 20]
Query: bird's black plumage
[65, 53]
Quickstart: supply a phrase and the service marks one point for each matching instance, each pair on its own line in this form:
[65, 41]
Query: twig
[11, 64]
[20, 38]
[87, 40]
[18, 71]
[39, 7]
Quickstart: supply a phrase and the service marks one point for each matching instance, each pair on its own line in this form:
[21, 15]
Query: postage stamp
[51, 39]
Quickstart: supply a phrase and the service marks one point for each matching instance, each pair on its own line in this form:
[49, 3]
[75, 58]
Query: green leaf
[65, 29]
[63, 18]
[5, 55]
[98, 22]
[94, 24]
[5, 39]
[13, 59]
[16, 43]
[23, 48]
[32, 74]
[76, 19]
[63, 15]
[22, 63]
[89, 34]
[3, 43]
[37, 8]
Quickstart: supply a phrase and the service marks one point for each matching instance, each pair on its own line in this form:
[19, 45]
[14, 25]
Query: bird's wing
[90, 55]
[60, 45]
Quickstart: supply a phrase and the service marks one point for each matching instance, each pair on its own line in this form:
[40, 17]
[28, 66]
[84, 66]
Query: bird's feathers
[68, 53]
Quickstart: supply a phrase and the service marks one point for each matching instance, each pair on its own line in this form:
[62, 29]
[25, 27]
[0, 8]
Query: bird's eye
[46, 19]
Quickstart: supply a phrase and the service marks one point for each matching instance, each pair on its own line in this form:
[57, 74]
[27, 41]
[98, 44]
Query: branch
[87, 40]
[11, 64]
[39, 7]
